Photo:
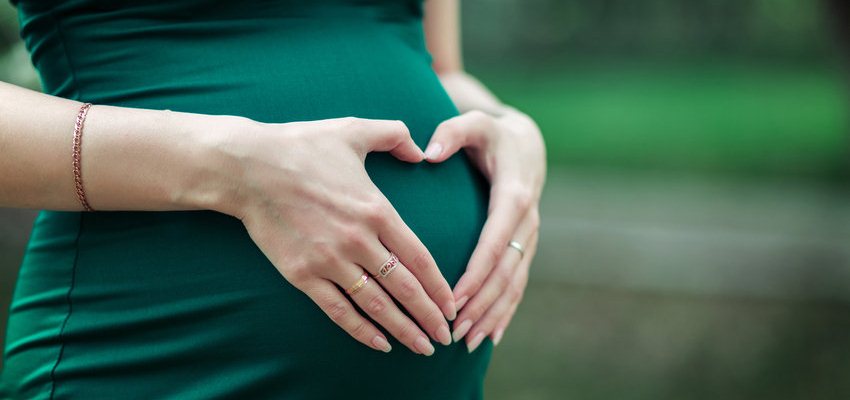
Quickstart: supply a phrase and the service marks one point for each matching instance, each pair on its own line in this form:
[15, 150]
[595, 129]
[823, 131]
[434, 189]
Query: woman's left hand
[510, 152]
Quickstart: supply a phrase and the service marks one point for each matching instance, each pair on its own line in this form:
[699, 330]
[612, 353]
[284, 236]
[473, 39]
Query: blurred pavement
[663, 285]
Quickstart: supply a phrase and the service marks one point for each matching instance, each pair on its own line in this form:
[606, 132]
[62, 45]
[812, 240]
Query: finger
[493, 316]
[497, 318]
[497, 281]
[341, 312]
[507, 209]
[377, 304]
[405, 288]
[383, 135]
[502, 325]
[516, 291]
[455, 133]
[400, 239]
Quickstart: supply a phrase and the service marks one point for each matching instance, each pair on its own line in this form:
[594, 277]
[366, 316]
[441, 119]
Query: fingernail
[473, 344]
[498, 336]
[381, 344]
[460, 303]
[450, 311]
[433, 150]
[424, 346]
[461, 330]
[444, 336]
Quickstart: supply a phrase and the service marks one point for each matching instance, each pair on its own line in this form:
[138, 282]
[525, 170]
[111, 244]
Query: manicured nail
[498, 336]
[444, 336]
[450, 310]
[461, 302]
[461, 330]
[424, 346]
[381, 344]
[433, 150]
[473, 344]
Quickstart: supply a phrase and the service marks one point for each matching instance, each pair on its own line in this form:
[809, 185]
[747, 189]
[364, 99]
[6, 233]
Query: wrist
[215, 177]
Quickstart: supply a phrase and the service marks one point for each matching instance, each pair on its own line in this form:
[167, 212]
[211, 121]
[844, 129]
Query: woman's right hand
[305, 198]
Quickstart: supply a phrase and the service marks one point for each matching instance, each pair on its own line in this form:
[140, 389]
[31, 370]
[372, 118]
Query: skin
[153, 160]
[158, 160]
[508, 148]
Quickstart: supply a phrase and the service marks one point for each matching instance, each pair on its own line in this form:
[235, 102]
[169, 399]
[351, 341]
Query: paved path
[779, 239]
[662, 286]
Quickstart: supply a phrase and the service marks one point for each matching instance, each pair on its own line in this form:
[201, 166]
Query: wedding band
[389, 265]
[516, 245]
[358, 285]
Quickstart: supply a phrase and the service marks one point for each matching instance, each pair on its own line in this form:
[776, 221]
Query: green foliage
[536, 30]
[734, 86]
[724, 117]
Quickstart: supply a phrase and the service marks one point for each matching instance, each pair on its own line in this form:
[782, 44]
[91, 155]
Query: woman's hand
[509, 150]
[304, 196]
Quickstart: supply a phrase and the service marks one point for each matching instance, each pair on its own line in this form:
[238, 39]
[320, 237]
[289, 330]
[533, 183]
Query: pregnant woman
[236, 203]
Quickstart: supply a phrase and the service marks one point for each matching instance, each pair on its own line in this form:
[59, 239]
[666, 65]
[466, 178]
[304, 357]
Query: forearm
[442, 31]
[132, 159]
[468, 93]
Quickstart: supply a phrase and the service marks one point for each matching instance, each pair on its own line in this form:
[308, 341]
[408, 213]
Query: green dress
[183, 305]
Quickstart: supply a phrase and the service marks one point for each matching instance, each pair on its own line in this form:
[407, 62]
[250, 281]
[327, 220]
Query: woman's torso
[183, 304]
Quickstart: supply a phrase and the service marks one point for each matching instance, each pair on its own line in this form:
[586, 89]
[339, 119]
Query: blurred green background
[695, 240]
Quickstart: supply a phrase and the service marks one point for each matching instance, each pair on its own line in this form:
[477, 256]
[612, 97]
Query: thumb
[392, 136]
[452, 134]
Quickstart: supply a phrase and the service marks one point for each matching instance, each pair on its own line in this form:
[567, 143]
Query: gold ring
[358, 285]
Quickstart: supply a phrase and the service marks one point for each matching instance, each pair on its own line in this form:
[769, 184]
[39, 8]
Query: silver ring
[516, 245]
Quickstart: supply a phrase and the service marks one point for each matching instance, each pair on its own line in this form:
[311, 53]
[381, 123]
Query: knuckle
[337, 311]
[503, 278]
[449, 127]
[517, 193]
[534, 218]
[377, 304]
[433, 316]
[475, 283]
[493, 252]
[408, 332]
[408, 288]
[485, 324]
[421, 262]
[515, 294]
[354, 238]
[476, 311]
[401, 129]
[521, 281]
[376, 213]
[481, 119]
[523, 198]
[299, 272]
[325, 255]
[360, 329]
[444, 292]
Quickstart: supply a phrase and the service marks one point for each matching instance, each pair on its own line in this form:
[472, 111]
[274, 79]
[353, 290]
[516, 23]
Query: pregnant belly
[184, 304]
